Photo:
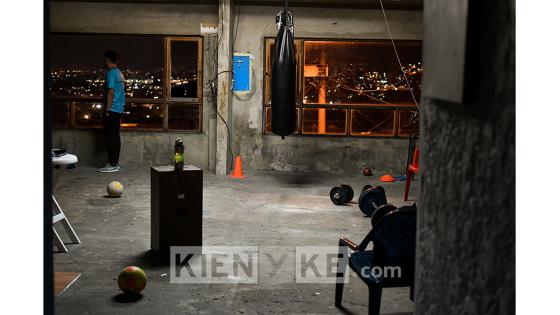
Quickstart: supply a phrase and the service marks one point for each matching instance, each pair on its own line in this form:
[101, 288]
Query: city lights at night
[351, 85]
[78, 80]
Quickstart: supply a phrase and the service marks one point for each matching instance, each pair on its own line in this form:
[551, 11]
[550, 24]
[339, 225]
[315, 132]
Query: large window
[352, 88]
[162, 86]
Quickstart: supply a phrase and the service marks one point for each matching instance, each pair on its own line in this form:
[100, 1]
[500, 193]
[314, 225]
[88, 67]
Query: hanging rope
[397, 54]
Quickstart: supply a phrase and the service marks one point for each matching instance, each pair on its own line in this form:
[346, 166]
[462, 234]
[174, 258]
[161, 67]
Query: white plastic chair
[60, 163]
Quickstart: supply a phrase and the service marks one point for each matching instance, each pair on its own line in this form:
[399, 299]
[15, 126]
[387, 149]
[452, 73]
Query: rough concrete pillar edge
[224, 97]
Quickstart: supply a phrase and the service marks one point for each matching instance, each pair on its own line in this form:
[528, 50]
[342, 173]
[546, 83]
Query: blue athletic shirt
[114, 79]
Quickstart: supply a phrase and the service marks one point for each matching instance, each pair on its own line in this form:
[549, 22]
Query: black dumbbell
[371, 199]
[349, 190]
[341, 194]
[366, 187]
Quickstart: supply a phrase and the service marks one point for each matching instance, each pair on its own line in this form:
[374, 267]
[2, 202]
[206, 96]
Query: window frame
[168, 67]
[300, 106]
[166, 99]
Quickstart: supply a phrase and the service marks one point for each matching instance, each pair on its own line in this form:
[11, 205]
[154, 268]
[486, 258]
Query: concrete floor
[265, 209]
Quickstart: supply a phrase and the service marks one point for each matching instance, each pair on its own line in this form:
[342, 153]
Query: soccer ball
[115, 189]
[132, 280]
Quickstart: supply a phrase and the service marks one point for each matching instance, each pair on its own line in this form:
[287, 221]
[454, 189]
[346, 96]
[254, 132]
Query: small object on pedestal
[179, 159]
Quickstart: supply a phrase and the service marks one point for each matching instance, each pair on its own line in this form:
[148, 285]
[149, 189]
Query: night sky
[85, 52]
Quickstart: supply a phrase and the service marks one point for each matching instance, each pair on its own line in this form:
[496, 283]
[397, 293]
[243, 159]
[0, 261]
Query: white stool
[61, 163]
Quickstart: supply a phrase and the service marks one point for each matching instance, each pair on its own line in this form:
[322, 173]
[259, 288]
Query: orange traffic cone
[237, 169]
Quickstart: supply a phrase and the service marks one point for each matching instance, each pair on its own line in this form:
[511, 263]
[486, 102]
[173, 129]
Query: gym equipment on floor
[132, 280]
[387, 178]
[349, 190]
[115, 189]
[380, 213]
[413, 169]
[371, 199]
[341, 194]
[237, 169]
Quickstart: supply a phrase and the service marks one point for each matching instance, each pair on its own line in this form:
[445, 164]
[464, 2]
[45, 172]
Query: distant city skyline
[138, 83]
[78, 65]
[358, 85]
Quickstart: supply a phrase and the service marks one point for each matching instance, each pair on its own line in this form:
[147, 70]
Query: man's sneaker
[108, 168]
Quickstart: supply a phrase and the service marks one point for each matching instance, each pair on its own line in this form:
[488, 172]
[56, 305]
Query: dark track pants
[111, 131]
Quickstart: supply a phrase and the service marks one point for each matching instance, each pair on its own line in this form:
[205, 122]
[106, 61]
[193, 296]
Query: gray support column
[225, 18]
[209, 70]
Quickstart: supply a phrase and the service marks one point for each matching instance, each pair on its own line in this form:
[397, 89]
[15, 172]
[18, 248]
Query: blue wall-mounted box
[241, 72]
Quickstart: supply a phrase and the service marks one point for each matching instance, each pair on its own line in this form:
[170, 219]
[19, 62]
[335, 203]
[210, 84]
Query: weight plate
[381, 212]
[349, 191]
[370, 200]
[338, 195]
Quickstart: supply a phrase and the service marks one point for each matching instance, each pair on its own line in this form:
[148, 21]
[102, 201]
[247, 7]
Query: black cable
[214, 93]
[229, 142]
[222, 72]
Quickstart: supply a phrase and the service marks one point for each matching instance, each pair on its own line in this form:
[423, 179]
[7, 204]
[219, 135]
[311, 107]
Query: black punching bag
[283, 81]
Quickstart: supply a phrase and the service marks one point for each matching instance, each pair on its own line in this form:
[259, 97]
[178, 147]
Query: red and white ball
[132, 280]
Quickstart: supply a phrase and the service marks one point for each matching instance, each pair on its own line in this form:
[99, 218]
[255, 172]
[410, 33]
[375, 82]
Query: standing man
[114, 107]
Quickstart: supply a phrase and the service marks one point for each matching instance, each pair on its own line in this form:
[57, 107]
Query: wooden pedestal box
[176, 201]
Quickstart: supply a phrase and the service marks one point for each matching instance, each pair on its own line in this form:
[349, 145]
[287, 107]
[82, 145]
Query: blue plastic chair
[393, 235]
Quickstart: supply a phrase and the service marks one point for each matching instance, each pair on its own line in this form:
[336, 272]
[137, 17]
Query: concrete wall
[138, 147]
[466, 223]
[313, 153]
[259, 151]
[133, 18]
